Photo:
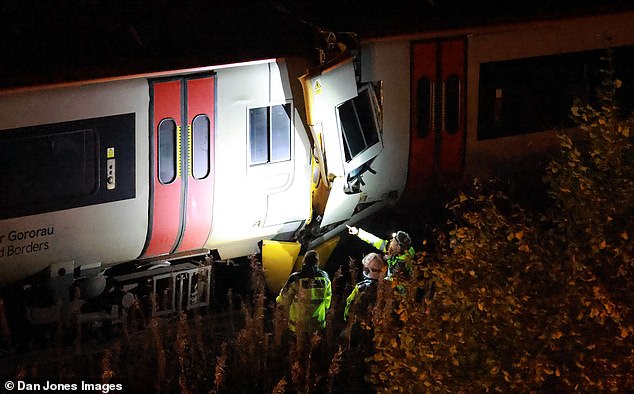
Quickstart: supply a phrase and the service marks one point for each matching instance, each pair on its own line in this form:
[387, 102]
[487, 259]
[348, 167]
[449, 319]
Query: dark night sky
[379, 18]
[62, 40]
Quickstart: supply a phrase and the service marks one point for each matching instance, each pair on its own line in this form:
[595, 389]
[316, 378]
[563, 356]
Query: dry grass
[243, 347]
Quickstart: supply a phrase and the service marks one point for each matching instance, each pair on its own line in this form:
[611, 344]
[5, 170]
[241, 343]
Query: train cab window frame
[360, 128]
[167, 140]
[201, 135]
[270, 131]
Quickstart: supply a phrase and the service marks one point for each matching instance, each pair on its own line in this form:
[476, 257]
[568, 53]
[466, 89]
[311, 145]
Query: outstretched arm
[370, 238]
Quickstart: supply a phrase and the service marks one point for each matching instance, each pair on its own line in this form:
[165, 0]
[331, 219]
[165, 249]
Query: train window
[201, 127]
[281, 132]
[424, 92]
[259, 135]
[167, 142]
[59, 166]
[359, 126]
[49, 167]
[452, 104]
[270, 134]
[535, 94]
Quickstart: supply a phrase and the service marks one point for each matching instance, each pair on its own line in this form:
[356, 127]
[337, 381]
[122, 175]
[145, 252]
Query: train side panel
[259, 157]
[263, 160]
[508, 122]
[490, 155]
[379, 63]
[91, 136]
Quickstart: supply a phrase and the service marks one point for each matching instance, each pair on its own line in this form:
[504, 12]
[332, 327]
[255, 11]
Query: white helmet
[372, 265]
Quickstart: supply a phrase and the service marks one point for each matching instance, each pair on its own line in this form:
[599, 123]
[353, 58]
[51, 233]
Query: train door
[438, 116]
[182, 164]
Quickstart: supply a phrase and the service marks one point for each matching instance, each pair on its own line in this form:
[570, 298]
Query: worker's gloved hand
[352, 230]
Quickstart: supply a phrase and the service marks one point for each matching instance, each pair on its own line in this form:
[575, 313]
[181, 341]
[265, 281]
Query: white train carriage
[483, 99]
[172, 164]
[57, 145]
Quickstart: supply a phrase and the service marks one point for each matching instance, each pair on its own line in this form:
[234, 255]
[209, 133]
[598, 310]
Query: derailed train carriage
[120, 182]
[486, 93]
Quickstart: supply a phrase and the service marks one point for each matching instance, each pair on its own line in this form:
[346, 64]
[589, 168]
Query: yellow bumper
[280, 258]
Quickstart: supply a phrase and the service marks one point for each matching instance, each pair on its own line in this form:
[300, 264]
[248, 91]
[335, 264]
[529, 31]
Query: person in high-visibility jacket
[399, 252]
[363, 296]
[360, 305]
[307, 294]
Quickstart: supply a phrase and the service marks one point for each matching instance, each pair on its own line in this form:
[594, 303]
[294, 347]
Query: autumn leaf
[625, 332]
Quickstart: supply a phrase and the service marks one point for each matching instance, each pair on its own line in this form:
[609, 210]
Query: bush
[527, 300]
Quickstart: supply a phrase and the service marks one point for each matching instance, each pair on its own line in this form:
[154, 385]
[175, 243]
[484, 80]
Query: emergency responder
[399, 253]
[363, 296]
[307, 295]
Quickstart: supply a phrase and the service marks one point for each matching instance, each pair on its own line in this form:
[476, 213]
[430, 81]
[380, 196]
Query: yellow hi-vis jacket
[307, 293]
[362, 297]
[394, 263]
